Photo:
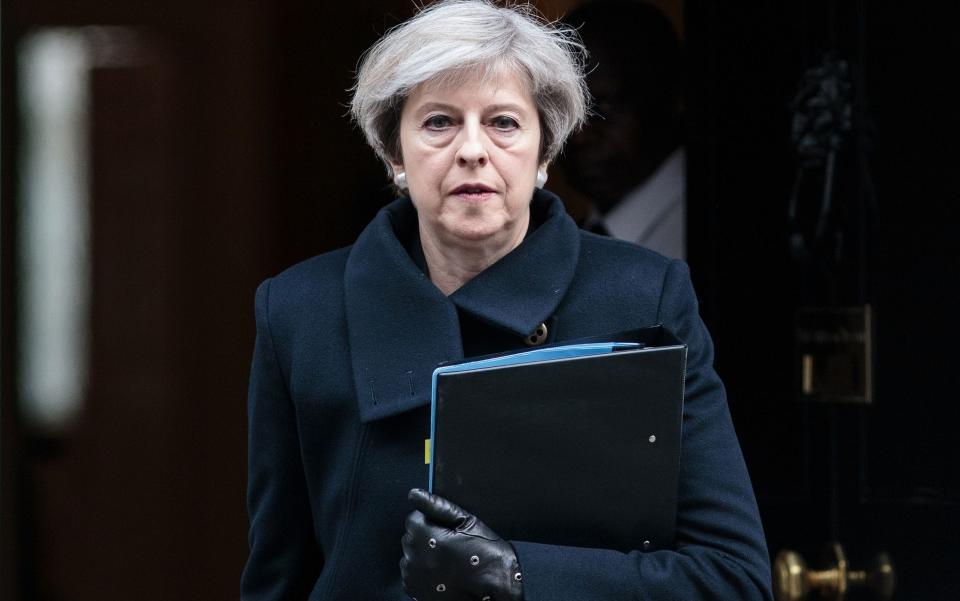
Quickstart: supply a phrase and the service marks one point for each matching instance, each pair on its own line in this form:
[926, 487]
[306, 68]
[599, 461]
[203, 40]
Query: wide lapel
[524, 288]
[400, 326]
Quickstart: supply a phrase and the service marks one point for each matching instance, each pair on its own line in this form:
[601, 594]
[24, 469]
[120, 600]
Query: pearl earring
[541, 178]
[400, 180]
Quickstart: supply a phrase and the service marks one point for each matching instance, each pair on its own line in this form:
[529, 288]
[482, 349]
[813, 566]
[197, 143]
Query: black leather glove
[450, 555]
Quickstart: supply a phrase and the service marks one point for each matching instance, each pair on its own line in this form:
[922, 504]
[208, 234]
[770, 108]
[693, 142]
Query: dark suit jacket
[338, 414]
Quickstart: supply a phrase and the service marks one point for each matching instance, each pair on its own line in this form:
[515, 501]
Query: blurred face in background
[605, 159]
[634, 75]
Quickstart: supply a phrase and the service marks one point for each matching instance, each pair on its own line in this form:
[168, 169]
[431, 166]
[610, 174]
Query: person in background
[629, 159]
[467, 104]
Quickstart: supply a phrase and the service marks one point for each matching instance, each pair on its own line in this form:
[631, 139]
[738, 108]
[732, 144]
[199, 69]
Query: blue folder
[534, 356]
[534, 442]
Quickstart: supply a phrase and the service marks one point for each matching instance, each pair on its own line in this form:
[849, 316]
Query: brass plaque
[835, 354]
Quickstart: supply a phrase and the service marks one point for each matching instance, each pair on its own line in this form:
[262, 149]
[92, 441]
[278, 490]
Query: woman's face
[470, 153]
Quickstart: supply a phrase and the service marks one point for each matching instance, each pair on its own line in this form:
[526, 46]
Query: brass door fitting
[793, 581]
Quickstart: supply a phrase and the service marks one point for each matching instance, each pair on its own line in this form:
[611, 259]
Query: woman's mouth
[473, 191]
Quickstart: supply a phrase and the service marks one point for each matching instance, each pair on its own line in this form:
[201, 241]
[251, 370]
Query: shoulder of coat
[309, 284]
[598, 250]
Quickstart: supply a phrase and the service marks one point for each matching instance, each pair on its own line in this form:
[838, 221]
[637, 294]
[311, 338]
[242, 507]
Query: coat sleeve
[720, 552]
[284, 560]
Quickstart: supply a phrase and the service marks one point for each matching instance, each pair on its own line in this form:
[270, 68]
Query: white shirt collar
[638, 215]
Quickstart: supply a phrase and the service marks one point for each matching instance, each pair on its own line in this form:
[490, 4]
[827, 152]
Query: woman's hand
[450, 555]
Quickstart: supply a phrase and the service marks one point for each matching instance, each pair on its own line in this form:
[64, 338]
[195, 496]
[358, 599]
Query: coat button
[539, 336]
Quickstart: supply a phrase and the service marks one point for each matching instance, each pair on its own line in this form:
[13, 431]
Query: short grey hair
[453, 39]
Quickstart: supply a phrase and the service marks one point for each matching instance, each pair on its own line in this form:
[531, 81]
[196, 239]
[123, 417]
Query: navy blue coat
[338, 413]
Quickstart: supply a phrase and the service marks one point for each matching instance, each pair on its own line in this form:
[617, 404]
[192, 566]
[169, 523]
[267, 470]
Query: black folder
[581, 450]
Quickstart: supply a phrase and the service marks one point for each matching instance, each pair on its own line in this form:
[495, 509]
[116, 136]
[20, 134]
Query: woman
[467, 104]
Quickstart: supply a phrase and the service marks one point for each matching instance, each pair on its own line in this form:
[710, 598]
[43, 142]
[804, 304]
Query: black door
[877, 476]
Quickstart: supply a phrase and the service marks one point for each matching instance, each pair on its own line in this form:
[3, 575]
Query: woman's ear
[399, 175]
[541, 175]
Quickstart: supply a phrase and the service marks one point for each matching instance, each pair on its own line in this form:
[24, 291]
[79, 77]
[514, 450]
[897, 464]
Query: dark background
[221, 153]
[880, 477]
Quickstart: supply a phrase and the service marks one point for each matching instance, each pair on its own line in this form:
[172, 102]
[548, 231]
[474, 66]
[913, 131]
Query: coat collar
[400, 326]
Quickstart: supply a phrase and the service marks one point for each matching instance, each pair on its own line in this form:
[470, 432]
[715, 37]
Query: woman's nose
[472, 151]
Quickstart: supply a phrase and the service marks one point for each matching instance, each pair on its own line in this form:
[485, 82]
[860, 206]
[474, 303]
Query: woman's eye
[437, 122]
[504, 123]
